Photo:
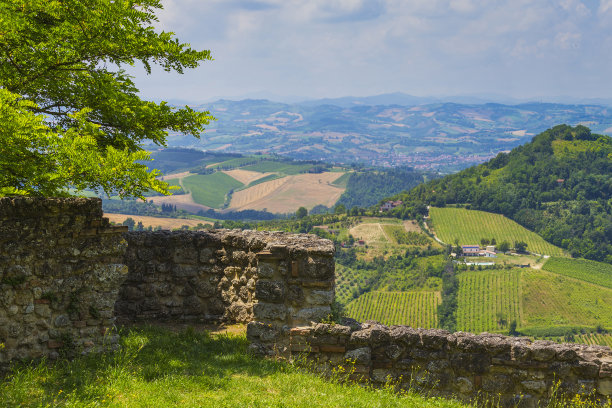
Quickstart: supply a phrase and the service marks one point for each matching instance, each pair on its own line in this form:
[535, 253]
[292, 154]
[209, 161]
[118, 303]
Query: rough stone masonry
[61, 265]
[231, 275]
[512, 371]
[66, 275]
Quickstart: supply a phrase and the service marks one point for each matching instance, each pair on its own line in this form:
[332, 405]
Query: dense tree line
[559, 185]
[365, 189]
[447, 311]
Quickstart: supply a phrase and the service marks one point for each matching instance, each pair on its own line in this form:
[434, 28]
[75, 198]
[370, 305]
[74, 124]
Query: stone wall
[63, 278]
[61, 265]
[513, 371]
[275, 278]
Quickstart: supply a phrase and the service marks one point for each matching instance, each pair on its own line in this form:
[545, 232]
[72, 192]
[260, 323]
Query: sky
[301, 49]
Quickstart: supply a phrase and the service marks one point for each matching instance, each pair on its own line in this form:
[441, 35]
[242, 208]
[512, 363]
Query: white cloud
[341, 47]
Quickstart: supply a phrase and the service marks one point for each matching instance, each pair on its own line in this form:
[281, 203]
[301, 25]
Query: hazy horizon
[313, 49]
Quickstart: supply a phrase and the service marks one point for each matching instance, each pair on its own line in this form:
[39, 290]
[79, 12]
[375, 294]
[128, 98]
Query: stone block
[313, 314]
[470, 363]
[538, 387]
[267, 311]
[266, 270]
[331, 348]
[61, 321]
[463, 385]
[257, 331]
[319, 268]
[320, 297]
[359, 356]
[54, 344]
[543, 353]
[394, 351]
[270, 291]
[186, 255]
[604, 386]
[304, 348]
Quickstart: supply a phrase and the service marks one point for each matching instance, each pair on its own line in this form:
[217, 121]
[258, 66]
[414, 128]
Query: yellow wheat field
[289, 193]
[175, 176]
[371, 233]
[182, 202]
[245, 176]
[165, 223]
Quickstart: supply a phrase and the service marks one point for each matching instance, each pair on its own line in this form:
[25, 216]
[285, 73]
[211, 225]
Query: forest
[558, 185]
[366, 188]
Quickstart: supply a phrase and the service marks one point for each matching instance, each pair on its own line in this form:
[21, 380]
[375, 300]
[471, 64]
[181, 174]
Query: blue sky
[329, 48]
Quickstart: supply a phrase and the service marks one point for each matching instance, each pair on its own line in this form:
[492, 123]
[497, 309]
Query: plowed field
[289, 193]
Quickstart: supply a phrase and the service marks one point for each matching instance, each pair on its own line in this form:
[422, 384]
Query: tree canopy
[558, 185]
[70, 116]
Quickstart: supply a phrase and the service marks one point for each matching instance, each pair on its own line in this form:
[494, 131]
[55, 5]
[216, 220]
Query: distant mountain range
[387, 130]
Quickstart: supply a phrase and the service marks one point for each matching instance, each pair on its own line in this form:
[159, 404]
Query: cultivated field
[165, 223]
[182, 201]
[371, 233]
[415, 308]
[175, 176]
[349, 282]
[233, 163]
[245, 176]
[603, 339]
[488, 300]
[550, 299]
[287, 194]
[595, 272]
[470, 226]
[210, 189]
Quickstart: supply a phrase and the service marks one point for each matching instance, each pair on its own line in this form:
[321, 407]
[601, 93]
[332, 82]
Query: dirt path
[539, 265]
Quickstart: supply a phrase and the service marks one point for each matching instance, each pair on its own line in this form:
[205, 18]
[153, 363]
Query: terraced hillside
[488, 300]
[598, 273]
[554, 300]
[470, 226]
[414, 308]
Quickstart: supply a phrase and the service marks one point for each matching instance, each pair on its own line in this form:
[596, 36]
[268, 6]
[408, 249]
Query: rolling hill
[385, 131]
[470, 226]
[559, 185]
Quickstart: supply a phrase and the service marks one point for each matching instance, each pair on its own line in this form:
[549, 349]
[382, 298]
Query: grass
[414, 308]
[159, 368]
[591, 271]
[399, 235]
[235, 162]
[342, 181]
[470, 226]
[488, 300]
[210, 189]
[550, 299]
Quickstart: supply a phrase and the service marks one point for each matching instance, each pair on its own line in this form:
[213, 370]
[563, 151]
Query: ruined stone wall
[63, 275]
[489, 366]
[277, 279]
[61, 265]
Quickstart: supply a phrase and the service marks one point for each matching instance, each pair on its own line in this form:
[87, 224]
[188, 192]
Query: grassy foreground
[159, 368]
